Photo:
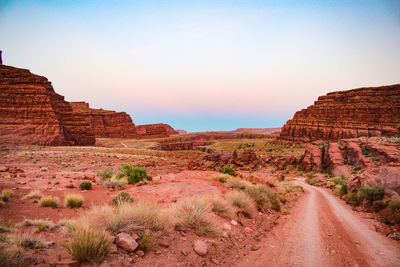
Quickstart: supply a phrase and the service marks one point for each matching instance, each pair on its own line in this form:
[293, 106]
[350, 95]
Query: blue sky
[204, 65]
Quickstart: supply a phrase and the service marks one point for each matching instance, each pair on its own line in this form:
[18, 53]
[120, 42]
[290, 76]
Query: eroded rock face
[32, 113]
[106, 123]
[155, 130]
[372, 111]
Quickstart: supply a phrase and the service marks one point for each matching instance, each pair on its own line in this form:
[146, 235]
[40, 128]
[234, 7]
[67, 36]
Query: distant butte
[369, 111]
[155, 130]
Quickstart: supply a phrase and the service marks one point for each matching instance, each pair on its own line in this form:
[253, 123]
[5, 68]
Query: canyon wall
[32, 113]
[370, 111]
[106, 123]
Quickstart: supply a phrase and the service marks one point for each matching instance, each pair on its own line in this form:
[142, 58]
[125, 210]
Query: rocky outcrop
[106, 123]
[32, 113]
[371, 111]
[155, 130]
[313, 157]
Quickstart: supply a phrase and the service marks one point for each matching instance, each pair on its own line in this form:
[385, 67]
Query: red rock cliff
[106, 123]
[372, 111]
[155, 130]
[32, 113]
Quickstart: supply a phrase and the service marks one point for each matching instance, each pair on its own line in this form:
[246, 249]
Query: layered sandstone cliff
[155, 130]
[371, 111]
[106, 123]
[32, 113]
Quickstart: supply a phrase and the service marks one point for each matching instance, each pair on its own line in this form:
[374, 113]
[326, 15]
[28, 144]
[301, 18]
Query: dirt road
[322, 230]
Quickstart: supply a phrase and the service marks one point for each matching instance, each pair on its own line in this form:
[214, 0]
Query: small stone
[255, 247]
[184, 252]
[248, 230]
[227, 226]
[140, 253]
[200, 247]
[225, 234]
[215, 261]
[126, 242]
[233, 222]
[163, 243]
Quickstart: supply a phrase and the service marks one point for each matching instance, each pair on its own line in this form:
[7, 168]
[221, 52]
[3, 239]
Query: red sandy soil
[323, 231]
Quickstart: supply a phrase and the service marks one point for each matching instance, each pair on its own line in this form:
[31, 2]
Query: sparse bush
[343, 189]
[32, 243]
[148, 240]
[49, 201]
[73, 201]
[106, 174]
[122, 199]
[237, 183]
[6, 194]
[353, 198]
[337, 181]
[87, 244]
[193, 214]
[42, 225]
[243, 201]
[379, 205]
[11, 255]
[260, 196]
[221, 207]
[135, 174]
[228, 170]
[85, 185]
[312, 181]
[34, 194]
[371, 193]
[116, 183]
[223, 178]
[394, 204]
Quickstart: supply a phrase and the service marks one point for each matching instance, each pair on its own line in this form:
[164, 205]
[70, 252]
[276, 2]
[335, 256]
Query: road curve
[322, 230]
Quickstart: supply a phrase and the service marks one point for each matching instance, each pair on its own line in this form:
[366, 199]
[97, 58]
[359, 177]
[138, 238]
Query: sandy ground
[323, 231]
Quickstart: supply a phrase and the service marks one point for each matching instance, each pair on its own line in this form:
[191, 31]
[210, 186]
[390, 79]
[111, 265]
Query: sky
[204, 65]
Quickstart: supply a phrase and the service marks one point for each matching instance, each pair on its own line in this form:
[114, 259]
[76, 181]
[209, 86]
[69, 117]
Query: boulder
[200, 247]
[126, 242]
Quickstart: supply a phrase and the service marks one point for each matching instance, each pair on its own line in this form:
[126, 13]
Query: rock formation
[106, 123]
[155, 130]
[32, 113]
[371, 111]
[1, 60]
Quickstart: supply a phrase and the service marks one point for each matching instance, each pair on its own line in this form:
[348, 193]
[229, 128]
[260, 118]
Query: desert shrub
[148, 240]
[193, 213]
[73, 201]
[106, 174]
[379, 205]
[244, 202]
[228, 170]
[237, 183]
[353, 198]
[85, 185]
[297, 188]
[394, 204]
[49, 201]
[260, 196]
[357, 168]
[221, 207]
[42, 225]
[371, 193]
[86, 244]
[6, 194]
[337, 181]
[343, 189]
[33, 195]
[11, 254]
[122, 198]
[116, 183]
[30, 242]
[223, 178]
[104, 218]
[134, 174]
[312, 181]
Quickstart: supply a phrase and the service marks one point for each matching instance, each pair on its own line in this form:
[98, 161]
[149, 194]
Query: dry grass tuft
[193, 213]
[87, 244]
[34, 194]
[49, 201]
[221, 207]
[237, 183]
[6, 194]
[73, 200]
[244, 202]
